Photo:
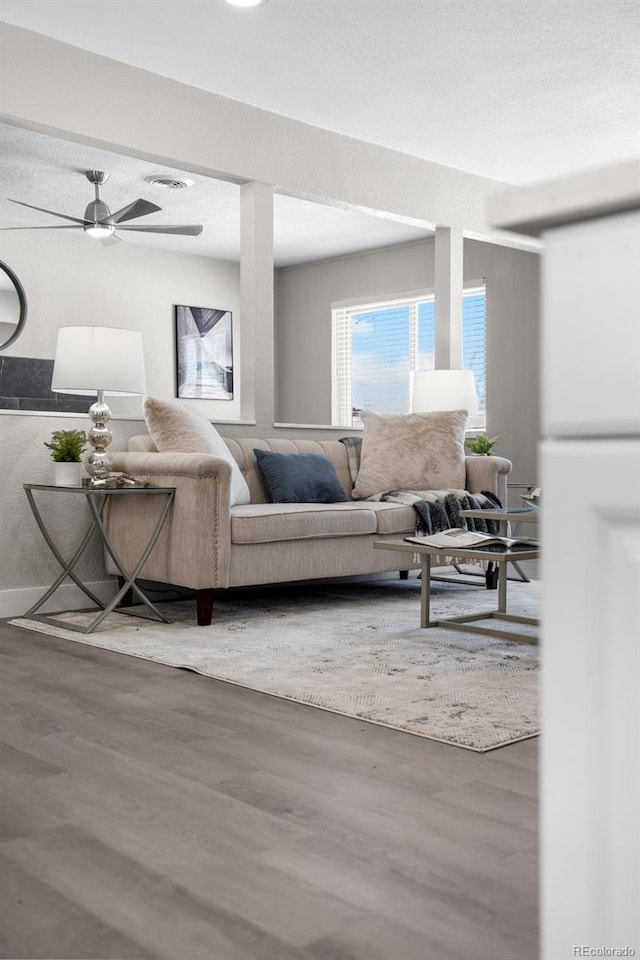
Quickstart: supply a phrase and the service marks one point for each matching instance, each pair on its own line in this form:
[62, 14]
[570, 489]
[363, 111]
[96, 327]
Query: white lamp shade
[444, 390]
[98, 358]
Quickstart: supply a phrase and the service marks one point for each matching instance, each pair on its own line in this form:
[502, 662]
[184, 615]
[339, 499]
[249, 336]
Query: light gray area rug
[353, 648]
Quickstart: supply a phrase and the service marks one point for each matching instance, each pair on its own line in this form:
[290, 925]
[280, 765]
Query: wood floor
[150, 812]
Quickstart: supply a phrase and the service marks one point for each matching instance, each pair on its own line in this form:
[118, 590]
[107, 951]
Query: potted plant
[66, 448]
[481, 444]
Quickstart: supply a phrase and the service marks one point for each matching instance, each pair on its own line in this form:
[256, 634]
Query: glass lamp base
[99, 463]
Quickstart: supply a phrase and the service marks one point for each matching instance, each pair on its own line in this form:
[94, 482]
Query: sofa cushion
[141, 443]
[415, 451]
[394, 518]
[242, 450]
[272, 522]
[299, 477]
[174, 427]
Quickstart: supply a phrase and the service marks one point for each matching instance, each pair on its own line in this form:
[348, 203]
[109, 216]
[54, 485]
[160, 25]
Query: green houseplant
[481, 444]
[67, 445]
[66, 448]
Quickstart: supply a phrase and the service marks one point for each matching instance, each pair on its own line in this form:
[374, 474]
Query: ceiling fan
[99, 222]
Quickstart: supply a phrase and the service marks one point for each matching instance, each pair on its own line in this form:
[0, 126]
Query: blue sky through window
[473, 343]
[380, 360]
[383, 353]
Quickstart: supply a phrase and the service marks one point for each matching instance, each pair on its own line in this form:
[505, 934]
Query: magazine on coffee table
[468, 540]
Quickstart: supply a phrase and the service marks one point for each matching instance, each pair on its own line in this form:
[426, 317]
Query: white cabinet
[591, 328]
[590, 478]
[591, 695]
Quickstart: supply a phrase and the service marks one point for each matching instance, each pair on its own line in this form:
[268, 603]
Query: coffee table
[467, 622]
[505, 517]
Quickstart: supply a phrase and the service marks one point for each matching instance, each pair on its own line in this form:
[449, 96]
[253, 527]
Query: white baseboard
[14, 603]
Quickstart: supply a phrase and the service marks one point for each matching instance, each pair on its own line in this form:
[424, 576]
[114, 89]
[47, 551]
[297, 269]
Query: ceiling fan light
[99, 230]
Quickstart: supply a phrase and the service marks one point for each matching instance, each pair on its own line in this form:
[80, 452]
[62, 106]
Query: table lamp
[107, 361]
[444, 390]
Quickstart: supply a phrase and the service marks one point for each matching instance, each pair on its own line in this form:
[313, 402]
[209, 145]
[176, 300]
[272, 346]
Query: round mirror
[13, 306]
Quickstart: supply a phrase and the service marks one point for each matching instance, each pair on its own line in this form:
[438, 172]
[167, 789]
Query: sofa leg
[404, 574]
[204, 606]
[491, 576]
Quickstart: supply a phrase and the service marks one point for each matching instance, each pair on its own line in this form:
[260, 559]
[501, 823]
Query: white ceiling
[515, 90]
[49, 173]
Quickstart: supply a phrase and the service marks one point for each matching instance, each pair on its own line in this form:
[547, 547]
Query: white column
[256, 303]
[448, 263]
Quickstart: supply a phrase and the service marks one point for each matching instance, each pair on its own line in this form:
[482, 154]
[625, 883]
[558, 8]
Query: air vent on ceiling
[170, 183]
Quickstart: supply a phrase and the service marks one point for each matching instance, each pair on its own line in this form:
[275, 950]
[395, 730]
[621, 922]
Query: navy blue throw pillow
[299, 477]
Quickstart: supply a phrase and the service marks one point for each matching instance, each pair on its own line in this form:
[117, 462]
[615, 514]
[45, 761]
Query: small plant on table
[67, 445]
[481, 445]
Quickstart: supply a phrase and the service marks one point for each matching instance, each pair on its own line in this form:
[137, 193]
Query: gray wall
[72, 280]
[303, 338]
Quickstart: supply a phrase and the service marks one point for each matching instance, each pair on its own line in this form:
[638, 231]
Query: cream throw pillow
[173, 427]
[413, 451]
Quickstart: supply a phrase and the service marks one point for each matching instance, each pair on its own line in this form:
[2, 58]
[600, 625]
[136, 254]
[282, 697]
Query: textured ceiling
[515, 90]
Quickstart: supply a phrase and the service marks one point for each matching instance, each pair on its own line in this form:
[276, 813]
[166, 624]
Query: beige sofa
[208, 545]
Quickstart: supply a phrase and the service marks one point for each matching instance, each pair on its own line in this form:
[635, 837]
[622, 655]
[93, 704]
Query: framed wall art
[204, 353]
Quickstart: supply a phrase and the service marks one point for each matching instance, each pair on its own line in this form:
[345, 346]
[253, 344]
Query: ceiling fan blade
[52, 212]
[62, 226]
[139, 208]
[183, 231]
[109, 241]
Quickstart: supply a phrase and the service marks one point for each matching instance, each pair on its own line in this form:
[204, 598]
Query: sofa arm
[194, 546]
[488, 473]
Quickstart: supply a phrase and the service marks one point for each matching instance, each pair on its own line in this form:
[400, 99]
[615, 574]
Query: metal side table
[97, 499]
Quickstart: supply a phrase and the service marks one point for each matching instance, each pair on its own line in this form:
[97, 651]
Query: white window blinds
[377, 345]
[474, 345]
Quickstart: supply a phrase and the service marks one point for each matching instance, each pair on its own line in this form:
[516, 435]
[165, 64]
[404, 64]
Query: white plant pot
[68, 474]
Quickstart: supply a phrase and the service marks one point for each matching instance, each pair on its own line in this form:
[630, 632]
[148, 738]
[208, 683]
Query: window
[377, 345]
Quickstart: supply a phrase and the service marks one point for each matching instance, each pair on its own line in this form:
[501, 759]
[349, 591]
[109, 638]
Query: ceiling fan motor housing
[97, 211]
